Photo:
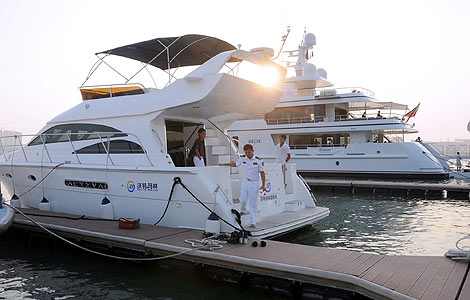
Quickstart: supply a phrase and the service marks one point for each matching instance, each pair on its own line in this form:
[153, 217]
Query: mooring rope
[460, 253]
[205, 244]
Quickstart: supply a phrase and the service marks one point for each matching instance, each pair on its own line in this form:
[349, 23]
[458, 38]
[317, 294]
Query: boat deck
[376, 276]
[285, 221]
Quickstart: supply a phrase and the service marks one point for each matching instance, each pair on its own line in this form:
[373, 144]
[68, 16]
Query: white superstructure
[337, 131]
[123, 151]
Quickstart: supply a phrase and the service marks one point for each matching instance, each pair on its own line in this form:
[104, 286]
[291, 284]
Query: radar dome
[322, 73]
[263, 51]
[309, 70]
[310, 40]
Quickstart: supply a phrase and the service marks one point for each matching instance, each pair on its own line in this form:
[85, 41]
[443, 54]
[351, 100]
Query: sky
[408, 52]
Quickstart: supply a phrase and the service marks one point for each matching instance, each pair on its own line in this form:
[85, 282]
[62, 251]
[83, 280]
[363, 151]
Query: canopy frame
[223, 46]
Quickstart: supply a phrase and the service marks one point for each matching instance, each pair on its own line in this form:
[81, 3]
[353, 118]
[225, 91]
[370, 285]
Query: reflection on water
[387, 225]
[51, 272]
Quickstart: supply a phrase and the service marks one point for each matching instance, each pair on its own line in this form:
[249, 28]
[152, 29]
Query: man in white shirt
[459, 162]
[282, 150]
[254, 167]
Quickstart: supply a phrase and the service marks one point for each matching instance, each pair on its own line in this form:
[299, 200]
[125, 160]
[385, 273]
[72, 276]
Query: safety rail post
[22, 148]
[44, 147]
[74, 151]
[3, 149]
[107, 154]
[108, 149]
[145, 151]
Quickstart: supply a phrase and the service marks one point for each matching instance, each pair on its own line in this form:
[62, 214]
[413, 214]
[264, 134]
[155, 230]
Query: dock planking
[376, 276]
[461, 191]
[465, 293]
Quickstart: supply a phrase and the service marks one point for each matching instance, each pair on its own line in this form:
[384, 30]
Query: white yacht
[337, 131]
[122, 152]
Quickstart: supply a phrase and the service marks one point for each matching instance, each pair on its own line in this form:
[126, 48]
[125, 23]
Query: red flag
[412, 112]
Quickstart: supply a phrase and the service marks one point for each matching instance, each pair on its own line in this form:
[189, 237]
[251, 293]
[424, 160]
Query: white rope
[460, 253]
[205, 244]
[211, 243]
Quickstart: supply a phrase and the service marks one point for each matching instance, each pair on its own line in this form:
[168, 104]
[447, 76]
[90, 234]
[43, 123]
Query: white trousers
[198, 162]
[249, 193]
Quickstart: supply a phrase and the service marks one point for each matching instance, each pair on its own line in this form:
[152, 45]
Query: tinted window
[116, 147]
[76, 132]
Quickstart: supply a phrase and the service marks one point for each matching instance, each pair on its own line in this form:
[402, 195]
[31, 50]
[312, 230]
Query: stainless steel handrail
[110, 86]
[99, 135]
[305, 146]
[337, 91]
[230, 139]
[338, 118]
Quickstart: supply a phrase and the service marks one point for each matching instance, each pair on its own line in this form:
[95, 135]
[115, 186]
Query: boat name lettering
[254, 141]
[86, 184]
[270, 197]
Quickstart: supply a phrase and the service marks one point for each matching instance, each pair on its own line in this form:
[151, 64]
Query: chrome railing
[305, 146]
[338, 118]
[104, 137]
[233, 142]
[329, 92]
[294, 120]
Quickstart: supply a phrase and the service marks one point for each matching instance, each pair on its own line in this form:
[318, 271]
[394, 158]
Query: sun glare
[267, 76]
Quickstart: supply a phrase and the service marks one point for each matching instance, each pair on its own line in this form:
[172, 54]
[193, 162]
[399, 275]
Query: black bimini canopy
[186, 50]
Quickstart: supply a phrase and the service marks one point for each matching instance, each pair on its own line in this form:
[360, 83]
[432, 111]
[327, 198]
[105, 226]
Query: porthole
[337, 163]
[32, 177]
[378, 152]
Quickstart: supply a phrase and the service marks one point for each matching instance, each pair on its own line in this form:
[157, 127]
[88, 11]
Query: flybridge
[209, 55]
[164, 53]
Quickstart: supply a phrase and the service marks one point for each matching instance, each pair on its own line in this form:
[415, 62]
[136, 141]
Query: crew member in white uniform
[253, 167]
[282, 150]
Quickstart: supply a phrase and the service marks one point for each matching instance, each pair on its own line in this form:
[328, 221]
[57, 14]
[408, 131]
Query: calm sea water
[31, 272]
[387, 225]
[365, 223]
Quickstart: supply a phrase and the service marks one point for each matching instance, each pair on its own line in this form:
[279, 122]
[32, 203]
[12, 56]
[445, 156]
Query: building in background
[449, 149]
[8, 142]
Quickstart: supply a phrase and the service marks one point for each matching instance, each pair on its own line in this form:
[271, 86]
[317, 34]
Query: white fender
[107, 209]
[45, 205]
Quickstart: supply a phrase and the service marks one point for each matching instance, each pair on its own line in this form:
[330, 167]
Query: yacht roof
[186, 50]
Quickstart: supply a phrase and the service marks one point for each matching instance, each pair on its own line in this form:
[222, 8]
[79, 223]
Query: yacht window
[296, 114]
[116, 147]
[76, 132]
[302, 141]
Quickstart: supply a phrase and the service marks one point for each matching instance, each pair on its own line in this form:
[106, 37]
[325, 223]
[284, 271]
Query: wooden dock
[303, 272]
[422, 189]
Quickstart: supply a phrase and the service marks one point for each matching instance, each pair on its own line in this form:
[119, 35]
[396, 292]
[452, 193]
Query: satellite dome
[322, 73]
[263, 51]
[309, 70]
[310, 40]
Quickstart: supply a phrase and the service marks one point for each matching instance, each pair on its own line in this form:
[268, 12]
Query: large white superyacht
[337, 131]
[123, 151]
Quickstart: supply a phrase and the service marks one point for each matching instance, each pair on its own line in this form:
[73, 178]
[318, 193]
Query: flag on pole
[411, 113]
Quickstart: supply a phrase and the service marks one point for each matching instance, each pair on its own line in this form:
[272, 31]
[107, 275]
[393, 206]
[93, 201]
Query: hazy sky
[404, 51]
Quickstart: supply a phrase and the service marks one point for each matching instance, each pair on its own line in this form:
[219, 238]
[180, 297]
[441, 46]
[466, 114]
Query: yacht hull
[372, 175]
[144, 193]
